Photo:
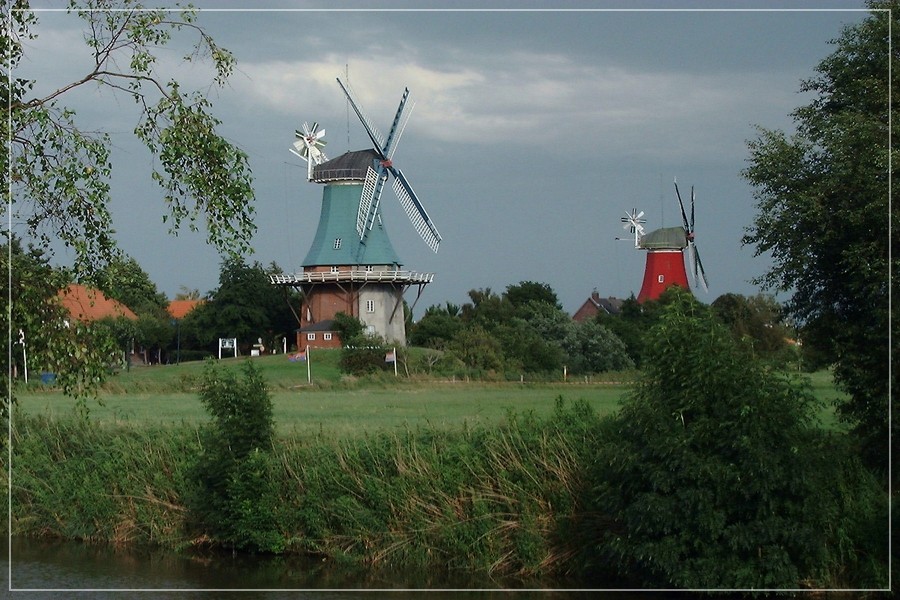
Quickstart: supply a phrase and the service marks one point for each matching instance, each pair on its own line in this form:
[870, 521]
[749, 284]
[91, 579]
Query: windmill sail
[367, 215]
[373, 133]
[698, 275]
[415, 211]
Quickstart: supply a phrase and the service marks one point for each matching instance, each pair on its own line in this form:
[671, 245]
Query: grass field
[342, 407]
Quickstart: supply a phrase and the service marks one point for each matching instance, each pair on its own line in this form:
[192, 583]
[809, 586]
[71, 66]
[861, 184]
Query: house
[596, 305]
[318, 335]
[87, 304]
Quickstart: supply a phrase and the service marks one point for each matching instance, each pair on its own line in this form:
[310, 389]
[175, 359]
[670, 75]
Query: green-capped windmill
[351, 266]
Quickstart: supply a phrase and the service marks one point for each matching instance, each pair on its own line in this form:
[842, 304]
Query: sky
[533, 132]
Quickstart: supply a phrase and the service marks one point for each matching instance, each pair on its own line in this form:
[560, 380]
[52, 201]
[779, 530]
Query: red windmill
[665, 253]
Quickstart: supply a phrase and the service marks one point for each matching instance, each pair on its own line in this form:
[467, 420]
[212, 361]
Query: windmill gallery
[352, 267]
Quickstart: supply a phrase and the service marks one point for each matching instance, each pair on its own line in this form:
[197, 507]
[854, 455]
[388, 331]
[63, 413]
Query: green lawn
[163, 395]
[346, 412]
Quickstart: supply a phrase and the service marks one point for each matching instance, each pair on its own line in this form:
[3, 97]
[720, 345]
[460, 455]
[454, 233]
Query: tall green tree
[436, 327]
[592, 348]
[531, 291]
[231, 491]
[244, 306]
[822, 197]
[58, 171]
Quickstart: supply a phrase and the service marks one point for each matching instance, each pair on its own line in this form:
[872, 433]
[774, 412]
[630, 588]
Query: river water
[53, 569]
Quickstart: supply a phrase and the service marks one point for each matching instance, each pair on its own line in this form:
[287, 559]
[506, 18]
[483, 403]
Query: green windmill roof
[337, 242]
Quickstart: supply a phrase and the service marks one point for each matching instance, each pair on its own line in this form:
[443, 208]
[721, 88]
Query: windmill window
[369, 268]
[370, 306]
[661, 278]
[335, 269]
[337, 243]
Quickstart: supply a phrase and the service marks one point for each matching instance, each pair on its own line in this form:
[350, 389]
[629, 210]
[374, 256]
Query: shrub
[232, 494]
[710, 472]
[363, 355]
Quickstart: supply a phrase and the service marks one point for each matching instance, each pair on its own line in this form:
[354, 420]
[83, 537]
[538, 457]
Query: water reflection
[61, 568]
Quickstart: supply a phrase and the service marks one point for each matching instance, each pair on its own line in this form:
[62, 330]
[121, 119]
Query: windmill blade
[374, 135]
[369, 201]
[399, 124]
[692, 210]
[415, 211]
[681, 204]
[699, 273]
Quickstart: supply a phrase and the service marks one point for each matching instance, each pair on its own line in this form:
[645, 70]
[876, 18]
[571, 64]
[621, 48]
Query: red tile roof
[89, 304]
[179, 308]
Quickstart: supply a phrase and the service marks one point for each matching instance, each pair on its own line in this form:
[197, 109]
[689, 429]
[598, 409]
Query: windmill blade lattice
[416, 212]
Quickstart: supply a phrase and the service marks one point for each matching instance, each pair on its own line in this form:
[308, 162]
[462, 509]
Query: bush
[363, 355]
[711, 472]
[232, 495]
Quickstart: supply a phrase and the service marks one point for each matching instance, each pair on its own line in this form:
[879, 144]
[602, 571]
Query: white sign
[227, 344]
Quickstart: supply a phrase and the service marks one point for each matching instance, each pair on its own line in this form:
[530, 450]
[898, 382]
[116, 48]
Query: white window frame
[310, 337]
[370, 306]
[326, 337]
[337, 243]
[335, 269]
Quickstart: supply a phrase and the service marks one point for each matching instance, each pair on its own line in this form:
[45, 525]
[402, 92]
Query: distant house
[179, 309]
[88, 304]
[596, 305]
[318, 335]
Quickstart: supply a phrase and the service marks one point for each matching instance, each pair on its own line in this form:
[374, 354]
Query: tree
[348, 328]
[531, 291]
[486, 309]
[76, 352]
[186, 293]
[592, 348]
[755, 319]
[59, 173]
[477, 349]
[715, 475]
[244, 306]
[436, 327]
[822, 198]
[124, 280]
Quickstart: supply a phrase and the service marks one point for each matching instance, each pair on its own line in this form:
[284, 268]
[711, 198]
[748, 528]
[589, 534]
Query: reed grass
[487, 499]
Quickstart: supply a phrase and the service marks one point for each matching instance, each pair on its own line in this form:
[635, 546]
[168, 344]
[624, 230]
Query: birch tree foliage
[59, 172]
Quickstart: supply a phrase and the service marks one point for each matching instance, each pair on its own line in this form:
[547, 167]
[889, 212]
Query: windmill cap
[665, 238]
[350, 166]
